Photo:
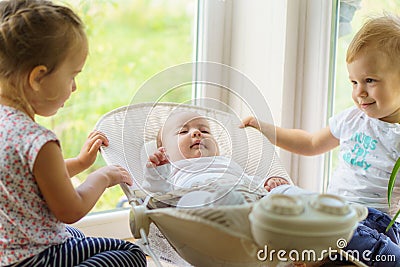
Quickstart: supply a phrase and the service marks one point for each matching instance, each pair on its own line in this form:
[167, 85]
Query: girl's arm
[88, 153]
[295, 140]
[67, 203]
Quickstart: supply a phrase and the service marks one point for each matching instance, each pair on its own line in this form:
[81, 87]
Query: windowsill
[114, 224]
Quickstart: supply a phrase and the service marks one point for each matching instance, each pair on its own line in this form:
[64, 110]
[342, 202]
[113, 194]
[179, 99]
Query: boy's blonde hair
[33, 33]
[381, 33]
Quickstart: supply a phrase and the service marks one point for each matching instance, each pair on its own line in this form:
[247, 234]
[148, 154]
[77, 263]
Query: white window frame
[242, 34]
[309, 80]
[285, 49]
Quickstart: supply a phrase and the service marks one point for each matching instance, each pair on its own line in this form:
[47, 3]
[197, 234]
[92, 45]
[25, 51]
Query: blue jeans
[380, 248]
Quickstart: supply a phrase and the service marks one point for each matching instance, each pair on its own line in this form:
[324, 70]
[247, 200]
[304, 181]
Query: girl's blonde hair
[382, 33]
[33, 33]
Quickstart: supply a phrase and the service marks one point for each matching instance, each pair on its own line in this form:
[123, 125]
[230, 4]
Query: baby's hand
[250, 122]
[88, 153]
[273, 182]
[158, 158]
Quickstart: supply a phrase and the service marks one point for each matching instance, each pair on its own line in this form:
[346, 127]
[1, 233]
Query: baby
[188, 157]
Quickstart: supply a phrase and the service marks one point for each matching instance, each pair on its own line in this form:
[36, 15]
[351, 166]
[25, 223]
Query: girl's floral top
[27, 226]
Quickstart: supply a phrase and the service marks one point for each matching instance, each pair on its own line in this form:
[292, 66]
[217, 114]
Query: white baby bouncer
[237, 235]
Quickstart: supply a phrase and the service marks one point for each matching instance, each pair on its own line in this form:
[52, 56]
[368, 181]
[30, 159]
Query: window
[129, 41]
[290, 49]
[353, 14]
[284, 48]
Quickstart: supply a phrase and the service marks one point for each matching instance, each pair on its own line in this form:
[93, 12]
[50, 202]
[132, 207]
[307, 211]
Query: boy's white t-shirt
[369, 149]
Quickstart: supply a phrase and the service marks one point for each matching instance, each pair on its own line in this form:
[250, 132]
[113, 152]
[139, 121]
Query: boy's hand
[250, 122]
[88, 153]
[158, 158]
[273, 182]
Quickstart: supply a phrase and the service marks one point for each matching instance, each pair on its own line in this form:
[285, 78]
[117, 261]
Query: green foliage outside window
[129, 42]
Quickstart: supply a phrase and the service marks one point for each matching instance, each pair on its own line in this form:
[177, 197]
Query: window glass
[353, 14]
[129, 41]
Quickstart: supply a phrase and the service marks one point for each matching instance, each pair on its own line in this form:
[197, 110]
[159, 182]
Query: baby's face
[187, 135]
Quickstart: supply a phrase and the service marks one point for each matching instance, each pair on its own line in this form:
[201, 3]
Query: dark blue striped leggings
[88, 252]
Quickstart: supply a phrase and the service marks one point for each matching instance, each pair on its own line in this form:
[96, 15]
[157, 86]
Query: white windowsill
[113, 224]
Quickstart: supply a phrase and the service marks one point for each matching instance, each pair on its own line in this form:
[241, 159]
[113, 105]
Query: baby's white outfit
[220, 178]
[188, 173]
[369, 149]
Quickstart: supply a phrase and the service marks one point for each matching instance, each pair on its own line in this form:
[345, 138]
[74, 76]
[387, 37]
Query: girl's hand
[115, 174]
[273, 182]
[88, 153]
[158, 158]
[250, 122]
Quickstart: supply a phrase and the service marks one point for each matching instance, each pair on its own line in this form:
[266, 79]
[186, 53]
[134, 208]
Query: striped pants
[87, 252]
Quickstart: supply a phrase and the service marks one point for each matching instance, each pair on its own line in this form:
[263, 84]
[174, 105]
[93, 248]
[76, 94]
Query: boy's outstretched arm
[295, 140]
[305, 143]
